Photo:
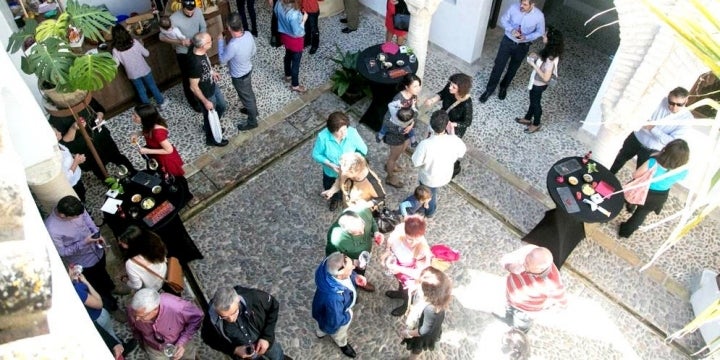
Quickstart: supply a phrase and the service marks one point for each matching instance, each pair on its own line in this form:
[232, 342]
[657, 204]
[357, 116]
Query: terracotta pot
[64, 100]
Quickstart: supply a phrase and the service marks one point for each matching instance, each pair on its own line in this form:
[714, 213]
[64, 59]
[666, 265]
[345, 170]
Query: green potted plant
[348, 83]
[48, 52]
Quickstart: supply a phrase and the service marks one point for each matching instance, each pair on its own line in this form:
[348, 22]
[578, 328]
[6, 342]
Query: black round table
[613, 204]
[382, 84]
[170, 227]
[562, 228]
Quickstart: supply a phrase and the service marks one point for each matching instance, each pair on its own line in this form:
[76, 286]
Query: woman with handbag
[674, 155]
[396, 7]
[360, 186]
[427, 312]
[456, 102]
[544, 68]
[146, 254]
[407, 255]
[291, 26]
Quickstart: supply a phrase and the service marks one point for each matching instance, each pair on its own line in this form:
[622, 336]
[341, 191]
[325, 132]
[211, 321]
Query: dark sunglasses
[670, 103]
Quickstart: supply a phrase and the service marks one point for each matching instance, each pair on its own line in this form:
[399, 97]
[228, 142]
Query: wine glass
[122, 171]
[169, 350]
[390, 261]
[152, 164]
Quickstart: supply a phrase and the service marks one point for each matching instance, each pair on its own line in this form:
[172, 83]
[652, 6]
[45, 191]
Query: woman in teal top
[674, 155]
[336, 139]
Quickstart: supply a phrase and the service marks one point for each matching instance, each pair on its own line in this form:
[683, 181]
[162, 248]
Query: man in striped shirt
[533, 285]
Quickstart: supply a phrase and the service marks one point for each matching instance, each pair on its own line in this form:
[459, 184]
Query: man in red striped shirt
[533, 285]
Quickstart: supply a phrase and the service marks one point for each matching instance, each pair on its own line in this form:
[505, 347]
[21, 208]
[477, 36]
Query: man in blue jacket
[334, 298]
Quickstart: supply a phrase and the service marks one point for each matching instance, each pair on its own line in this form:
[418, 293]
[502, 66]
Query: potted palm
[347, 81]
[48, 52]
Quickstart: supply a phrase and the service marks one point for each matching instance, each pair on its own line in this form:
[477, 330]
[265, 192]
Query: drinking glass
[413, 58]
[389, 261]
[122, 171]
[152, 164]
[169, 350]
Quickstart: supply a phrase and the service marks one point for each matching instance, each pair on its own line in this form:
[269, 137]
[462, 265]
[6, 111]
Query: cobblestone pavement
[262, 223]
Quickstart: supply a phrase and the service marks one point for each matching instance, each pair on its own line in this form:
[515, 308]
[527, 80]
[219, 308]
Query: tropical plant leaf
[50, 61]
[91, 72]
[91, 20]
[17, 39]
[691, 34]
[52, 28]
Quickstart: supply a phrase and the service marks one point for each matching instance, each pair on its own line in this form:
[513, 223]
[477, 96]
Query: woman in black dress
[427, 312]
[455, 98]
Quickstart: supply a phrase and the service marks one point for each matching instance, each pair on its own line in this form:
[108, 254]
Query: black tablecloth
[560, 231]
[614, 204]
[382, 85]
[171, 228]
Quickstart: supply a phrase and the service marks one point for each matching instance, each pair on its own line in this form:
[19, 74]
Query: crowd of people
[240, 321]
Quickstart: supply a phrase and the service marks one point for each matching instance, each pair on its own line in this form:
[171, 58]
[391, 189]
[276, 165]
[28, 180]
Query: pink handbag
[638, 187]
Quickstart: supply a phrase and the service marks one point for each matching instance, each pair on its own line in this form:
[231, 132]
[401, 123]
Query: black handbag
[456, 169]
[401, 18]
[387, 219]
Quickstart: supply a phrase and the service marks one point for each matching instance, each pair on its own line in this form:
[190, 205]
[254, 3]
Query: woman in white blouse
[146, 263]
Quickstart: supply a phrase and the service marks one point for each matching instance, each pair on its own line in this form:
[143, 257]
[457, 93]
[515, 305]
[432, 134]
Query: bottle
[120, 212]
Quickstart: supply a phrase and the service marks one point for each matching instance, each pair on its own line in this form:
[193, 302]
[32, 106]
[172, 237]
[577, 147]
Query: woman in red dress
[157, 144]
[389, 13]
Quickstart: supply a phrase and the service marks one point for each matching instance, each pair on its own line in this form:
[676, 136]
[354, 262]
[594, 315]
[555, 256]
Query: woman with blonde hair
[407, 255]
[427, 313]
[360, 186]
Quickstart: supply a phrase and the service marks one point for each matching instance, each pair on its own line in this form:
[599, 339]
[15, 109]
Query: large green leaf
[50, 61]
[16, 40]
[91, 72]
[52, 28]
[90, 20]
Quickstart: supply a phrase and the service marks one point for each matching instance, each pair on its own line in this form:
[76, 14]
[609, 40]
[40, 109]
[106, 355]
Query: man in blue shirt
[237, 52]
[523, 23]
[651, 138]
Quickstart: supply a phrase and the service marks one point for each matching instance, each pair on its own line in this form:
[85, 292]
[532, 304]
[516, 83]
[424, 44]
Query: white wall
[458, 27]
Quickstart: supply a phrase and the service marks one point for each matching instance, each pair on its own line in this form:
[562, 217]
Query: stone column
[650, 62]
[40, 314]
[421, 12]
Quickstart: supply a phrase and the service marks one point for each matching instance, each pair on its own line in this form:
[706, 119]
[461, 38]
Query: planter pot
[64, 100]
[352, 96]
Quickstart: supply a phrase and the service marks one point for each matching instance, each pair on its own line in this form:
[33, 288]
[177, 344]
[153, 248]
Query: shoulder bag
[637, 189]
[450, 129]
[401, 18]
[173, 280]
[386, 219]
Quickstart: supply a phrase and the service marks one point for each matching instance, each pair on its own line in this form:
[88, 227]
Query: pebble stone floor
[269, 232]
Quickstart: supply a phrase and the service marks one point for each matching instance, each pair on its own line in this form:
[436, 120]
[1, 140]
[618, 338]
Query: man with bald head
[533, 285]
[203, 83]
[352, 234]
